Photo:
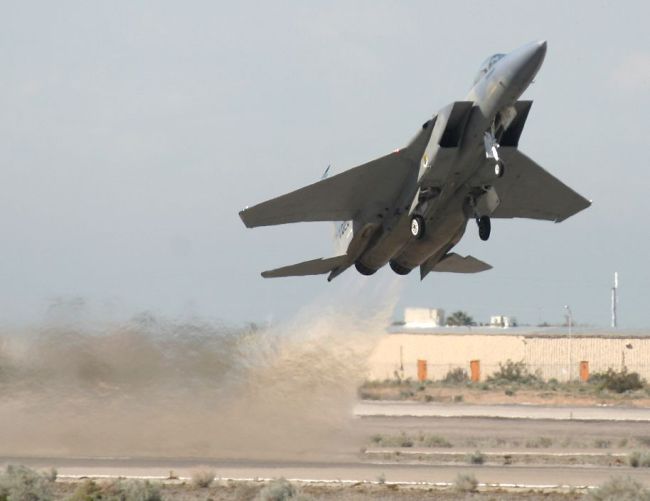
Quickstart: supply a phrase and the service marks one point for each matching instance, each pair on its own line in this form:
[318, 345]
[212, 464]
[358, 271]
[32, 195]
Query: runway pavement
[529, 476]
[458, 423]
[419, 409]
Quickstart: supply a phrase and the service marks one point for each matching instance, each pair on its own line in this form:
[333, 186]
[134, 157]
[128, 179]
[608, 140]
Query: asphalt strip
[369, 408]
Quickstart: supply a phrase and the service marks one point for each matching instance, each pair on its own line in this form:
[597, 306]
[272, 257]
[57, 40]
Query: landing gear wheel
[417, 227]
[499, 168]
[484, 227]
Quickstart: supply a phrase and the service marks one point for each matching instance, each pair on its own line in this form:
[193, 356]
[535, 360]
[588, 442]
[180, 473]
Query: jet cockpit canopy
[487, 65]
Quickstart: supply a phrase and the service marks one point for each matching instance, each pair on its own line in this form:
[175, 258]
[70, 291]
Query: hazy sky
[131, 134]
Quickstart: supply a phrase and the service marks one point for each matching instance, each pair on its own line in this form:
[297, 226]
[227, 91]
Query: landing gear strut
[492, 151]
[484, 227]
[417, 227]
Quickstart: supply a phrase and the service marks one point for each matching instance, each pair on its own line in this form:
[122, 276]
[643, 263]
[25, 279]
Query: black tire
[417, 227]
[499, 169]
[484, 227]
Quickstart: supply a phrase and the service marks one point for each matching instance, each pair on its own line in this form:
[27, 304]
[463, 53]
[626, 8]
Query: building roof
[525, 331]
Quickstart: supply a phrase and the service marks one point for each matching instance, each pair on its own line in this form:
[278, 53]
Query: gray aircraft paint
[452, 171]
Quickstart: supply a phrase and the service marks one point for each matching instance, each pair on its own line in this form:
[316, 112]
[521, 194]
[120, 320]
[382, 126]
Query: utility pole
[570, 350]
[615, 300]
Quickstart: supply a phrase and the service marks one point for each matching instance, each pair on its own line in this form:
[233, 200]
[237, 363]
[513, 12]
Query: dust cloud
[152, 387]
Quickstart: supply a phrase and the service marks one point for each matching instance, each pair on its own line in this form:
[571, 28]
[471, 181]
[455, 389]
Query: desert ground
[163, 403]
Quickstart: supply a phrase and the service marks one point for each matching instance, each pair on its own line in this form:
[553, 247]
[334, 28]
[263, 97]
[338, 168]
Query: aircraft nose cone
[526, 62]
[540, 51]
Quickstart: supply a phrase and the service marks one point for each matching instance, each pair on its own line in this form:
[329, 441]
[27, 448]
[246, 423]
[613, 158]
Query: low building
[550, 352]
[503, 321]
[424, 317]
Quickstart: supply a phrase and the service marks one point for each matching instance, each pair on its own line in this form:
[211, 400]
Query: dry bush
[434, 441]
[202, 479]
[21, 483]
[637, 459]
[401, 440]
[465, 482]
[476, 457]
[117, 490]
[620, 489]
[513, 372]
[456, 376]
[279, 489]
[617, 381]
[539, 443]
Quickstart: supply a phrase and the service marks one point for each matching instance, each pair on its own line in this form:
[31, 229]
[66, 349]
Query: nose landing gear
[499, 168]
[484, 227]
[492, 151]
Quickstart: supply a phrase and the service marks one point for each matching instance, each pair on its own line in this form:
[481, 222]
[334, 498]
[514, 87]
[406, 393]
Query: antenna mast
[615, 300]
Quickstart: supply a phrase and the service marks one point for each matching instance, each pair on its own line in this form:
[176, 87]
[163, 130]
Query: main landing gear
[417, 227]
[484, 227]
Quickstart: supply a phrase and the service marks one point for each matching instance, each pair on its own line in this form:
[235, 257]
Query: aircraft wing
[371, 187]
[526, 190]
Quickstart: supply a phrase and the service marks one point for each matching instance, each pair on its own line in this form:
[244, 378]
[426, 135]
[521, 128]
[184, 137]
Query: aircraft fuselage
[453, 173]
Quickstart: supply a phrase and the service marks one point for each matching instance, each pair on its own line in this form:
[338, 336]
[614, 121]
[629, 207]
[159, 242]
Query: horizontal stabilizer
[454, 263]
[313, 267]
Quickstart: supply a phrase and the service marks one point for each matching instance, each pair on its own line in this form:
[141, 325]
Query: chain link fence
[478, 371]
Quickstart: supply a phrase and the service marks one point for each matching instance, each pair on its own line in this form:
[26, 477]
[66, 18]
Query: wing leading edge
[526, 190]
[370, 187]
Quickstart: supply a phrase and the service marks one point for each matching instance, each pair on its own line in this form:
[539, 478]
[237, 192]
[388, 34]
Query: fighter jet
[411, 207]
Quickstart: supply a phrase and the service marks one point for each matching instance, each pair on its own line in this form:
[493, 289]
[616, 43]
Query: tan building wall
[552, 356]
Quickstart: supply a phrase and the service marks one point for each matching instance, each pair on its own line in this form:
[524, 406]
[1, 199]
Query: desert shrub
[137, 490]
[539, 443]
[456, 376]
[202, 479]
[401, 440]
[476, 457]
[434, 441]
[246, 491]
[617, 381]
[88, 490]
[620, 489]
[644, 440]
[117, 490]
[458, 398]
[277, 490]
[513, 372]
[465, 483]
[636, 459]
[601, 443]
[21, 483]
